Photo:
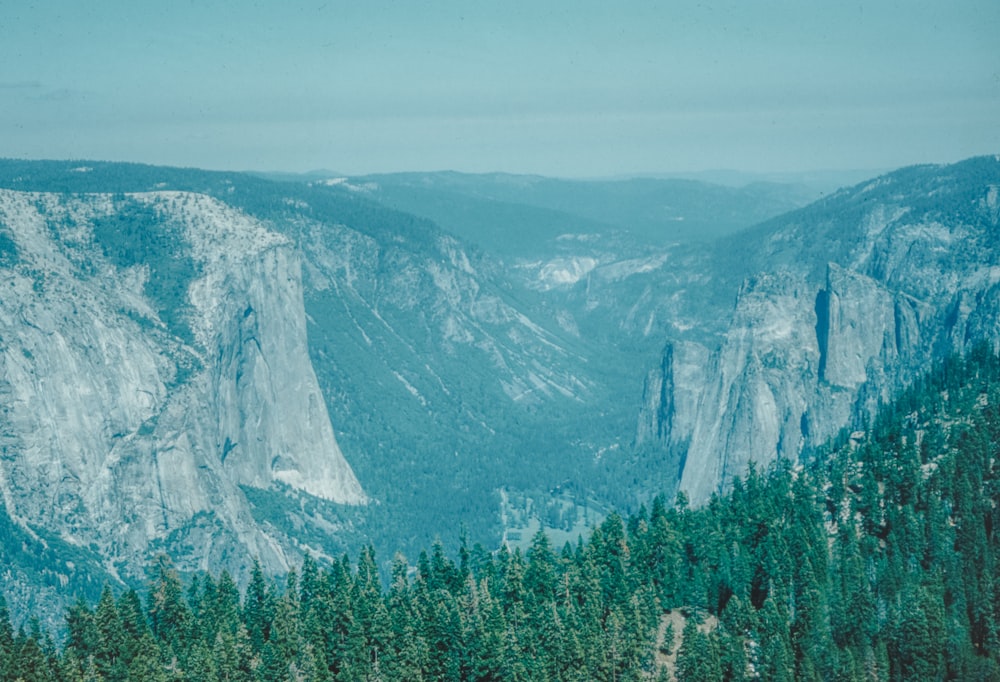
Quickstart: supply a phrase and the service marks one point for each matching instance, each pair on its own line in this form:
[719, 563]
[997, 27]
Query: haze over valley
[644, 341]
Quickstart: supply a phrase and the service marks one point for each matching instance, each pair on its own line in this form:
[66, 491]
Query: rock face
[153, 361]
[843, 303]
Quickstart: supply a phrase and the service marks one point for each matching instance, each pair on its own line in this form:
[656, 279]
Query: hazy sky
[571, 88]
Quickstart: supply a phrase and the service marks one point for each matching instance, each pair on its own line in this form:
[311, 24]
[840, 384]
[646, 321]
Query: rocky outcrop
[803, 357]
[670, 394]
[130, 422]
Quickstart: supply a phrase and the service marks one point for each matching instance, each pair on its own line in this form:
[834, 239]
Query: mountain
[217, 366]
[521, 216]
[154, 361]
[838, 305]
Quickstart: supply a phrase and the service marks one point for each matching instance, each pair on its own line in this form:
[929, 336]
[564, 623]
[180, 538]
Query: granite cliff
[841, 304]
[153, 366]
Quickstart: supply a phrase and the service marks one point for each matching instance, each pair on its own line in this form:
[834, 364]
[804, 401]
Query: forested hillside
[877, 560]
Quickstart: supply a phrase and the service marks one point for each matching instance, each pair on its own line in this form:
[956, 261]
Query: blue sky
[576, 89]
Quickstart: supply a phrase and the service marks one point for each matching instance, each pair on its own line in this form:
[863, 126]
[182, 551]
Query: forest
[874, 559]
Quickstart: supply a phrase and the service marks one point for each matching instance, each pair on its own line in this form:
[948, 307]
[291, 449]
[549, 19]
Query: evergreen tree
[133, 623]
[29, 662]
[6, 636]
[258, 609]
[110, 653]
[370, 609]
[918, 638]
[698, 657]
[407, 658]
[169, 614]
[776, 659]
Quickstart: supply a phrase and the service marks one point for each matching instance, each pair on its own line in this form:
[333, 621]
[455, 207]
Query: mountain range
[221, 365]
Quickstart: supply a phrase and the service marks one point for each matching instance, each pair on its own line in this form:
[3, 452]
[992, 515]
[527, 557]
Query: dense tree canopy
[875, 560]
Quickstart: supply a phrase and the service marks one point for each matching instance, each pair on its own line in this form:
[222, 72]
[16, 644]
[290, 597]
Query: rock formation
[130, 421]
[844, 303]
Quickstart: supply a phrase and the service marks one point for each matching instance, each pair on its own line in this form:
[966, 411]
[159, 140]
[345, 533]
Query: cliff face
[844, 303]
[153, 361]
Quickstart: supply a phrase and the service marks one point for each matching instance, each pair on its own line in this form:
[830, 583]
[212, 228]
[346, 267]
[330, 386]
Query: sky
[567, 88]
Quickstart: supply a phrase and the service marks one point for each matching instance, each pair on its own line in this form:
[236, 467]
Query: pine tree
[201, 666]
[776, 658]
[6, 637]
[258, 609]
[110, 649]
[443, 632]
[285, 628]
[273, 667]
[232, 655]
[29, 662]
[133, 624]
[698, 657]
[346, 644]
[918, 637]
[81, 635]
[540, 574]
[223, 611]
[661, 557]
[736, 624]
[493, 654]
[407, 657]
[370, 609]
[169, 615]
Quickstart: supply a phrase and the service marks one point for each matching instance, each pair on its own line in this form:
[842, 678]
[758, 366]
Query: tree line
[875, 560]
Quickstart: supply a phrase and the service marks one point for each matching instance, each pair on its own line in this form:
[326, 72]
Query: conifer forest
[874, 559]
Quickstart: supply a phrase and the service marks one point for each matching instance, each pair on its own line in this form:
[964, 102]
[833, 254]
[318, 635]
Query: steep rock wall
[128, 431]
[916, 278]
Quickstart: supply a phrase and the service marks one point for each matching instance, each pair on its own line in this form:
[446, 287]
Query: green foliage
[878, 560]
[136, 234]
[46, 561]
[698, 657]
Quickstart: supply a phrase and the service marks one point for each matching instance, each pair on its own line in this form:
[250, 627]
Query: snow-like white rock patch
[565, 271]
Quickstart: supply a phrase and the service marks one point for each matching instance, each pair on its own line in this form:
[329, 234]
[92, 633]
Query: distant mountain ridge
[511, 214]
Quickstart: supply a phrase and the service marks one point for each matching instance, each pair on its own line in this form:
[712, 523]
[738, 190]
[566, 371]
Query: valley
[222, 365]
